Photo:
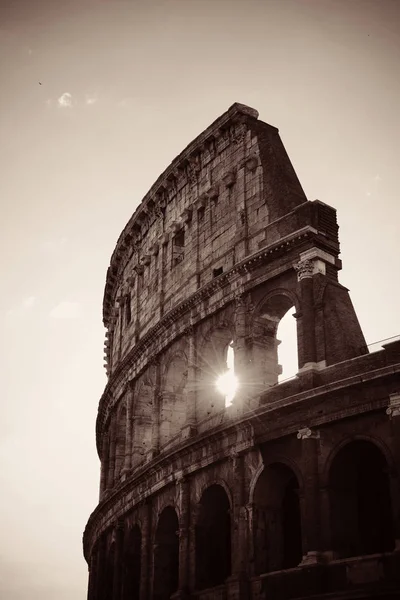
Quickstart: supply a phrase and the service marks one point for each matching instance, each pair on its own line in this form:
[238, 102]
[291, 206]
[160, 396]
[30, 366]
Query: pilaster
[393, 411]
[145, 553]
[190, 425]
[128, 432]
[118, 555]
[311, 517]
[183, 490]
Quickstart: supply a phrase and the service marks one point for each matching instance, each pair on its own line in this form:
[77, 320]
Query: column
[237, 584]
[184, 509]
[311, 517]
[101, 557]
[104, 464]
[239, 539]
[393, 411]
[128, 432]
[241, 360]
[195, 512]
[92, 576]
[305, 269]
[190, 426]
[112, 447]
[146, 547]
[155, 432]
[118, 556]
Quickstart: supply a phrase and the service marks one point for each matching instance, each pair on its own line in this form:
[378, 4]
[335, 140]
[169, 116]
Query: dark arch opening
[213, 538]
[277, 520]
[132, 564]
[359, 491]
[166, 555]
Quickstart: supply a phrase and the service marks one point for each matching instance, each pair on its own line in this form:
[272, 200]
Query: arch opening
[286, 335]
[277, 534]
[361, 511]
[132, 565]
[213, 357]
[173, 402]
[275, 345]
[213, 538]
[166, 555]
[227, 383]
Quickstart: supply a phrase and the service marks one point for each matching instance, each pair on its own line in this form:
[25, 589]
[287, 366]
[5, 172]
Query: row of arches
[163, 412]
[360, 523]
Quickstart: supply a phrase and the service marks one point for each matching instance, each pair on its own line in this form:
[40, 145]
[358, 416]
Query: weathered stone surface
[258, 499]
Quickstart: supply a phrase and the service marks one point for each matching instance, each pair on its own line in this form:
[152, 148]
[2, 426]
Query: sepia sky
[124, 87]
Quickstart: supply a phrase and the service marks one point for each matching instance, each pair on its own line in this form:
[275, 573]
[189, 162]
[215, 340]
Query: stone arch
[276, 535]
[215, 481]
[212, 354]
[213, 538]
[266, 318]
[166, 554]
[361, 517]
[132, 563]
[166, 502]
[173, 404]
[352, 438]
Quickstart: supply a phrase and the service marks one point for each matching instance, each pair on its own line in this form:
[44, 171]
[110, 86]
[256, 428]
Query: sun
[227, 383]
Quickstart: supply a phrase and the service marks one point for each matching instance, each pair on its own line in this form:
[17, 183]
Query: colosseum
[265, 488]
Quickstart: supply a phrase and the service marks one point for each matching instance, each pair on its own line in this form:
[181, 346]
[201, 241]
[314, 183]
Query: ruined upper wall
[212, 207]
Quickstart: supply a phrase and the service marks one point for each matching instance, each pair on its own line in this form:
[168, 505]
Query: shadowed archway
[166, 555]
[359, 491]
[213, 538]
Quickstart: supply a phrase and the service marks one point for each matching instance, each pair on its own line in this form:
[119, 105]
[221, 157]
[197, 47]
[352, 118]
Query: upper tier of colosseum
[207, 211]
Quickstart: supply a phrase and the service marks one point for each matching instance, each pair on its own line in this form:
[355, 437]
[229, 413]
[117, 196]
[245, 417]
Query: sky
[96, 99]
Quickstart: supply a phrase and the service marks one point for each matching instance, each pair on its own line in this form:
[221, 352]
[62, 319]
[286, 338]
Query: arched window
[213, 357]
[277, 521]
[287, 349]
[213, 538]
[275, 314]
[173, 403]
[361, 512]
[132, 564]
[166, 555]
[227, 382]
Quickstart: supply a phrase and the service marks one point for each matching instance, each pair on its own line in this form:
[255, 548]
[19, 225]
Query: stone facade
[293, 490]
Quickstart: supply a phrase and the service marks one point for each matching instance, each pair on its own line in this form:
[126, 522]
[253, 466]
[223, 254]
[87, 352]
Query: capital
[306, 433]
[393, 410]
[304, 269]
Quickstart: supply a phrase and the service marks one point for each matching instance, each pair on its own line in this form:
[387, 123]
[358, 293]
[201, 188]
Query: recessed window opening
[287, 349]
[128, 312]
[178, 247]
[218, 271]
[227, 383]
[201, 212]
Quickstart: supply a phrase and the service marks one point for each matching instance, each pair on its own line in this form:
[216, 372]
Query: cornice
[187, 163]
